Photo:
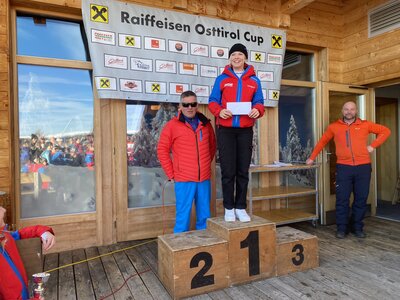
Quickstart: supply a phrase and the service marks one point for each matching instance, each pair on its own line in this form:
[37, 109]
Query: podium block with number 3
[252, 247]
[192, 263]
[296, 250]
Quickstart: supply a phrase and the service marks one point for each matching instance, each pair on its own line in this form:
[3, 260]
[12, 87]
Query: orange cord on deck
[99, 256]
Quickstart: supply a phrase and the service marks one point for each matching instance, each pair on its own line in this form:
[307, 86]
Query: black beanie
[238, 47]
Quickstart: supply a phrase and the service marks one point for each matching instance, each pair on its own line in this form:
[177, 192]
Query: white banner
[149, 54]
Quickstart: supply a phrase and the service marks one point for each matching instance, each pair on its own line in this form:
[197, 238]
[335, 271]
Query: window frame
[14, 111]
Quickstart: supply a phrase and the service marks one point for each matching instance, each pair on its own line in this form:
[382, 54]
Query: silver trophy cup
[39, 280]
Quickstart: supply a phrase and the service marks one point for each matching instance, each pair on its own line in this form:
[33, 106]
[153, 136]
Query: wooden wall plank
[370, 74]
[367, 60]
[358, 45]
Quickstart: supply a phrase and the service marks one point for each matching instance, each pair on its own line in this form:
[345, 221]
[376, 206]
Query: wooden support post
[252, 247]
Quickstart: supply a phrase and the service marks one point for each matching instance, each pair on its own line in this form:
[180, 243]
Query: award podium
[230, 253]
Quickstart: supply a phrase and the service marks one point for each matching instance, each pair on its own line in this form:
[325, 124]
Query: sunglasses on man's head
[191, 104]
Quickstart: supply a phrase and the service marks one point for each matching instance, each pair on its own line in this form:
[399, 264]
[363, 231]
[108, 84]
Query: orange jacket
[351, 141]
[192, 152]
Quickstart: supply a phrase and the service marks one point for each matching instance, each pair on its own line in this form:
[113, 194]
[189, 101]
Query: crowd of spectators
[38, 152]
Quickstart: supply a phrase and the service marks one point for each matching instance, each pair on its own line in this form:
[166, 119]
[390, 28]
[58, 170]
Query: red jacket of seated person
[13, 279]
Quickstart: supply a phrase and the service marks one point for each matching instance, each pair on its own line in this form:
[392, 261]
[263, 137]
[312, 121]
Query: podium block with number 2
[252, 247]
[192, 263]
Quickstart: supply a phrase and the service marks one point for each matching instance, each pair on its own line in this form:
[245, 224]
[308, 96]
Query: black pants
[235, 149]
[349, 179]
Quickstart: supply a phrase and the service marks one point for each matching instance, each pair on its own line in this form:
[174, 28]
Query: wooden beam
[291, 6]
[181, 4]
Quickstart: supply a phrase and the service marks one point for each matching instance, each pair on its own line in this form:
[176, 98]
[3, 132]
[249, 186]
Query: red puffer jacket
[11, 286]
[192, 152]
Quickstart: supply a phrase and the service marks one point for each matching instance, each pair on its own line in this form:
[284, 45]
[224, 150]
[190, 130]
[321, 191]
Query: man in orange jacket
[190, 139]
[353, 166]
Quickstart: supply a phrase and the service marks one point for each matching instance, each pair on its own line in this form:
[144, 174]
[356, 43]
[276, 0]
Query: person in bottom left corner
[13, 279]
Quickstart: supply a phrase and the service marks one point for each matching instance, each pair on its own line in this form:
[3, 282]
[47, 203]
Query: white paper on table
[239, 108]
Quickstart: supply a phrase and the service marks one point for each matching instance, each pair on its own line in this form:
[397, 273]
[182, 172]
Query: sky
[57, 101]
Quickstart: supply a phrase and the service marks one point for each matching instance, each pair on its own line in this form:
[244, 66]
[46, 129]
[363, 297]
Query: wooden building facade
[347, 64]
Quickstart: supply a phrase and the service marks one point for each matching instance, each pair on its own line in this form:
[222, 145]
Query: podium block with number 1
[252, 247]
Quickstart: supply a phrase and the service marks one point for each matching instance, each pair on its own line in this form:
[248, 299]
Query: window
[296, 130]
[297, 115]
[298, 66]
[55, 108]
[44, 37]
[146, 178]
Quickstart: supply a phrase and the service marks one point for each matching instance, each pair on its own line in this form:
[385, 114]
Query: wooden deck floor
[349, 269]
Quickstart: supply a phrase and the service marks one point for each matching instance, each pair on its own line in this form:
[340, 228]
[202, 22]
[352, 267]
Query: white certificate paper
[239, 108]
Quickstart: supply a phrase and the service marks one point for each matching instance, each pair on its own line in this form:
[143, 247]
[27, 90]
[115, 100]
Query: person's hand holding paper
[239, 108]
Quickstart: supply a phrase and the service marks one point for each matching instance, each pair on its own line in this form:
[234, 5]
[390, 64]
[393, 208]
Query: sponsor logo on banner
[266, 76]
[177, 88]
[130, 85]
[141, 64]
[153, 87]
[258, 57]
[199, 50]
[151, 43]
[274, 59]
[98, 13]
[273, 95]
[188, 69]
[201, 90]
[208, 71]
[106, 83]
[103, 37]
[165, 66]
[115, 61]
[276, 41]
[177, 47]
[131, 41]
[219, 52]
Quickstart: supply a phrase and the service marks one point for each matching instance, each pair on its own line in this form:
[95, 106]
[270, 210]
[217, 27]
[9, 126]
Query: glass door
[145, 198]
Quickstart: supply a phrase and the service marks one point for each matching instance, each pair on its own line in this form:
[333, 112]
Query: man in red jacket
[13, 279]
[191, 140]
[353, 169]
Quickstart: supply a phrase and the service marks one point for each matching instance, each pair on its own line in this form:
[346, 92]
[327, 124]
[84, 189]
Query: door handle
[327, 156]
